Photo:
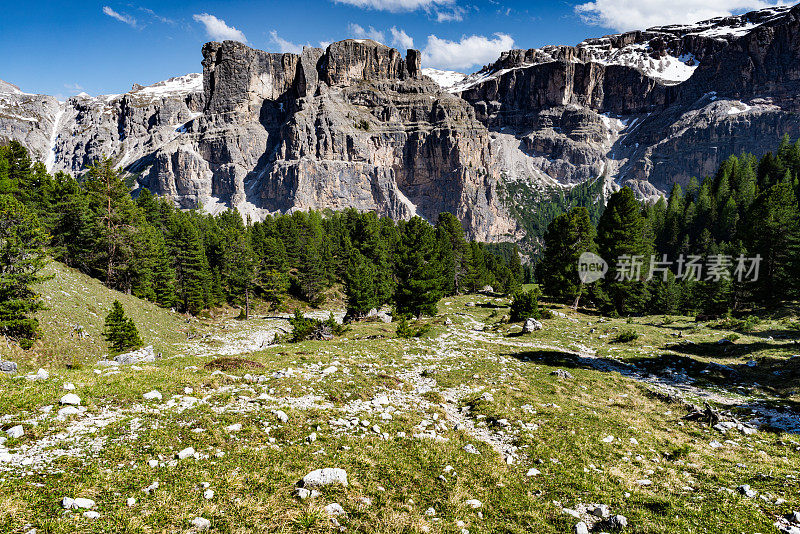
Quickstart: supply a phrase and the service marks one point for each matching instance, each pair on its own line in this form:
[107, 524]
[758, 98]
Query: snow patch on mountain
[445, 78]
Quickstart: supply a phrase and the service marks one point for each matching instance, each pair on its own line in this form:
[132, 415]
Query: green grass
[253, 471]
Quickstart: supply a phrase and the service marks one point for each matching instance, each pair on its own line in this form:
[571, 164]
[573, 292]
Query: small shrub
[732, 337]
[626, 336]
[405, 330]
[120, 331]
[525, 305]
[307, 328]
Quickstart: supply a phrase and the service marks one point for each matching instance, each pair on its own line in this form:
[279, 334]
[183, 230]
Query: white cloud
[73, 87]
[466, 53]
[624, 15]
[454, 15]
[396, 6]
[370, 33]
[218, 30]
[401, 39]
[122, 17]
[284, 45]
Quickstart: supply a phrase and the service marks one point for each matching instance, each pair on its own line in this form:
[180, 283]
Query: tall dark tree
[115, 221]
[455, 252]
[120, 331]
[22, 257]
[191, 266]
[418, 272]
[568, 236]
[621, 241]
[360, 286]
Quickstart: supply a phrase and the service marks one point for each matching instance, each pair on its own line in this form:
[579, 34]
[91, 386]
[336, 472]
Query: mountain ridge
[359, 125]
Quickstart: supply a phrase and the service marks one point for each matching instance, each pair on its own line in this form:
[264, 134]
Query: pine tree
[621, 237]
[191, 266]
[120, 331]
[116, 218]
[455, 252]
[360, 286]
[417, 270]
[568, 236]
[22, 257]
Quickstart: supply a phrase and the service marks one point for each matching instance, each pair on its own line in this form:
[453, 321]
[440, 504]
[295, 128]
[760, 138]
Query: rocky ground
[473, 427]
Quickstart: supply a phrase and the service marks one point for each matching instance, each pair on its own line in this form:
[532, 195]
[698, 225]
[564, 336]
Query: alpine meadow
[351, 288]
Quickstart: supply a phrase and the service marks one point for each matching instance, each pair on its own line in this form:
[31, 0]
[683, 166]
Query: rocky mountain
[360, 125]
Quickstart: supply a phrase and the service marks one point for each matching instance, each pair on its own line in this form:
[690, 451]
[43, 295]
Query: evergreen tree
[22, 257]
[360, 286]
[621, 241]
[418, 277]
[191, 267]
[120, 331]
[455, 253]
[568, 236]
[115, 220]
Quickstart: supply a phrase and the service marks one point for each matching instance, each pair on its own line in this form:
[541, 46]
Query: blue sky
[65, 47]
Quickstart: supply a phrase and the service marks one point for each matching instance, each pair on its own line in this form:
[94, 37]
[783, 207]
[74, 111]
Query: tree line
[192, 261]
[729, 243]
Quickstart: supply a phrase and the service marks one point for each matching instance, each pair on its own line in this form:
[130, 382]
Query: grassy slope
[74, 299]
[253, 479]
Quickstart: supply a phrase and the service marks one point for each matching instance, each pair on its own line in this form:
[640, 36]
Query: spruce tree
[455, 252]
[621, 237]
[417, 270]
[568, 236]
[191, 266]
[360, 286]
[115, 220]
[22, 257]
[120, 331]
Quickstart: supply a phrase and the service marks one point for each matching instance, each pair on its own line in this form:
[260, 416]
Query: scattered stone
[236, 427]
[188, 452]
[430, 511]
[201, 523]
[745, 490]
[71, 399]
[70, 504]
[131, 502]
[208, 494]
[69, 386]
[15, 432]
[560, 373]
[8, 367]
[601, 510]
[91, 514]
[581, 528]
[143, 355]
[334, 509]
[324, 477]
[68, 410]
[608, 439]
[532, 472]
[470, 448]
[618, 522]
[281, 415]
[531, 325]
[153, 395]
[151, 488]
[473, 503]
[644, 482]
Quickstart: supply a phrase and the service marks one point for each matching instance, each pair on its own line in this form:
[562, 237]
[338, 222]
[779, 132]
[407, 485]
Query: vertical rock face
[355, 125]
[359, 125]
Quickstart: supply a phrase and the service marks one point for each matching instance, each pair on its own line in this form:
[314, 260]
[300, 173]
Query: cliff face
[355, 125]
[360, 125]
[646, 108]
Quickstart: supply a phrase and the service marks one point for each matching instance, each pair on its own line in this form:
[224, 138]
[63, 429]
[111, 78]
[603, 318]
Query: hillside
[72, 323]
[472, 427]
